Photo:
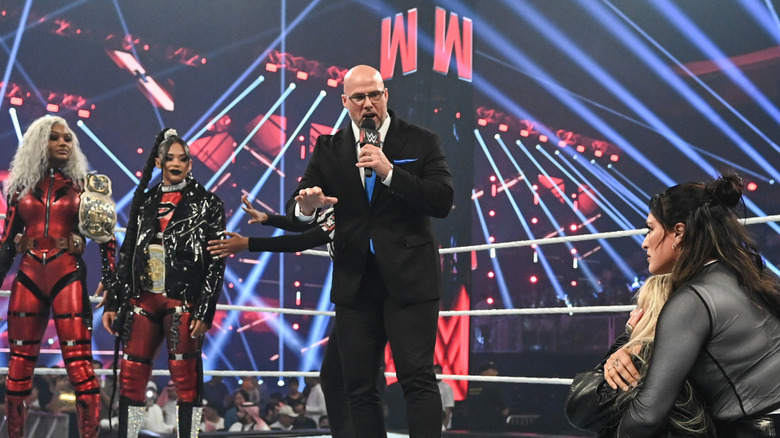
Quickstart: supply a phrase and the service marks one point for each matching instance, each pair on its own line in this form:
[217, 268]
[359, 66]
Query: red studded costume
[165, 279]
[43, 226]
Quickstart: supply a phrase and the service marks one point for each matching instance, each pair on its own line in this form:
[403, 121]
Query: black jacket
[192, 274]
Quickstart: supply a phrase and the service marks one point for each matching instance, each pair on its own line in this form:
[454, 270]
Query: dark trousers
[335, 391]
[363, 328]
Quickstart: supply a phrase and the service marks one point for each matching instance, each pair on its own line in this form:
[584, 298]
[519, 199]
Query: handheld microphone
[369, 135]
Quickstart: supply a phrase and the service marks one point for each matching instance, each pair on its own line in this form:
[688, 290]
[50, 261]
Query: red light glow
[52, 107]
[492, 213]
[524, 133]
[598, 153]
[573, 227]
[562, 144]
[491, 274]
[84, 114]
[751, 186]
[297, 283]
[16, 101]
[482, 122]
[140, 151]
[489, 300]
[503, 128]
[542, 138]
[295, 326]
[271, 67]
[302, 75]
[580, 148]
[534, 220]
[614, 158]
[533, 279]
[574, 283]
[333, 83]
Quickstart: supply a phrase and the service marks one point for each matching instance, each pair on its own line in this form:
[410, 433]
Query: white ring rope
[443, 313]
[503, 379]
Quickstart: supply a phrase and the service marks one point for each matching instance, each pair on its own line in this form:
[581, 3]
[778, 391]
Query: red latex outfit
[52, 276]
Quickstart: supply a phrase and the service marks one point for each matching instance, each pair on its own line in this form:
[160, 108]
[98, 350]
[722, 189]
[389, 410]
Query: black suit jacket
[398, 217]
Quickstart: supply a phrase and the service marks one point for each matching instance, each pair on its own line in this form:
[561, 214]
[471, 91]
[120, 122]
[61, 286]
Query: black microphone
[369, 135]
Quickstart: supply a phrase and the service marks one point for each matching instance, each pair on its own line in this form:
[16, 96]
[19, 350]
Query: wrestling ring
[47, 424]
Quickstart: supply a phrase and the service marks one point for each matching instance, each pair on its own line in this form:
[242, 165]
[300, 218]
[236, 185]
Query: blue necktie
[370, 180]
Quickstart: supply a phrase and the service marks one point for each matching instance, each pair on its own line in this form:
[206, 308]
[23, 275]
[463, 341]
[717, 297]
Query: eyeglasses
[373, 96]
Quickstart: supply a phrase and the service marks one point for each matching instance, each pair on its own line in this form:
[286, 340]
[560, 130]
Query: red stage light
[16, 101]
[574, 283]
[492, 213]
[534, 220]
[271, 67]
[333, 83]
[490, 300]
[751, 186]
[52, 107]
[562, 144]
[482, 122]
[457, 115]
[533, 279]
[203, 60]
[524, 133]
[491, 239]
[573, 251]
[573, 227]
[302, 75]
[503, 128]
[598, 153]
[542, 138]
[580, 148]
[303, 152]
[297, 283]
[140, 151]
[295, 326]
[492, 178]
[614, 158]
[138, 173]
[491, 274]
[84, 114]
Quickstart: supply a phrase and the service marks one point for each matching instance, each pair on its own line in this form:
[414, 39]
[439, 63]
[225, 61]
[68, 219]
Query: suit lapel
[348, 159]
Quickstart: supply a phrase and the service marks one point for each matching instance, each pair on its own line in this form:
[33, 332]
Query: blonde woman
[593, 405]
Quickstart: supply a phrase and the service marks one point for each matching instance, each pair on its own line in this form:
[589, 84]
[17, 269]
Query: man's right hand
[108, 321]
[311, 199]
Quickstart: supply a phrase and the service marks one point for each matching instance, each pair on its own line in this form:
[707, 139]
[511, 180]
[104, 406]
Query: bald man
[386, 271]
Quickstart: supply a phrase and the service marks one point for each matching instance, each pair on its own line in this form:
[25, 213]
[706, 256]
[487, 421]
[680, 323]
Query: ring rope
[471, 378]
[443, 313]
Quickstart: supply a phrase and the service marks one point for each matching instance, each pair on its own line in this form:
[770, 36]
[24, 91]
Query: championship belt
[97, 211]
[155, 270]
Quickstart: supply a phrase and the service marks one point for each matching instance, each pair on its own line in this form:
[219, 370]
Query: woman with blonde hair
[592, 405]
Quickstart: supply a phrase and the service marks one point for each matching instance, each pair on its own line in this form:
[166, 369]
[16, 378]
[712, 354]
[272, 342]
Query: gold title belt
[74, 243]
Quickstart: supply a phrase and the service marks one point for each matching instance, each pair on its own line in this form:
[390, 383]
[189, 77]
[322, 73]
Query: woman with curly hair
[53, 203]
[720, 328]
[167, 284]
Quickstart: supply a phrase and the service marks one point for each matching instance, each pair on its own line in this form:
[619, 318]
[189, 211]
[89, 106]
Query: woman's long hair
[714, 231]
[32, 157]
[689, 416]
